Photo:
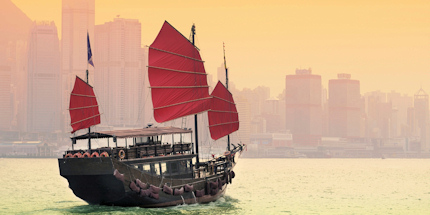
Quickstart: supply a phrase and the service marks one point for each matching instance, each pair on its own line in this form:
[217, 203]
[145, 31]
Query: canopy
[177, 76]
[130, 133]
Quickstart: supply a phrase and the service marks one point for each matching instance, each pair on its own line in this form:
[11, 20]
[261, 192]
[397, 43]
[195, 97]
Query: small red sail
[83, 108]
[177, 76]
[223, 116]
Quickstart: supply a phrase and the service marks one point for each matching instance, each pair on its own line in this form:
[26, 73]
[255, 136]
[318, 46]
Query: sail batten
[83, 107]
[177, 76]
[74, 94]
[176, 54]
[169, 87]
[226, 123]
[223, 116]
[182, 103]
[191, 72]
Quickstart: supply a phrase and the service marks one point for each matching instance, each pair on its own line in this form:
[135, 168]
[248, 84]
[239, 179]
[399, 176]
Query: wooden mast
[89, 128]
[88, 82]
[193, 32]
[226, 84]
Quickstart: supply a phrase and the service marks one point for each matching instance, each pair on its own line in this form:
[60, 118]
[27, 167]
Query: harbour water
[261, 186]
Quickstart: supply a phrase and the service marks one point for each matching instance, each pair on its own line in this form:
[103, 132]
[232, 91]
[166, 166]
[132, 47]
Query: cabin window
[163, 168]
[174, 167]
[153, 168]
[182, 166]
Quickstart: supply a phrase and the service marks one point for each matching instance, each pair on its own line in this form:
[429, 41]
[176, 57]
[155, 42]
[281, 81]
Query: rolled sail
[223, 116]
[83, 108]
[177, 76]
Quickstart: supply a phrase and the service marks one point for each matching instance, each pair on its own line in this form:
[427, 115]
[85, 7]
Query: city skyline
[372, 41]
[309, 106]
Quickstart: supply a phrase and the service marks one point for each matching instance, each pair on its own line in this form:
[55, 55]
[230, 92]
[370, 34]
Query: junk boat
[150, 172]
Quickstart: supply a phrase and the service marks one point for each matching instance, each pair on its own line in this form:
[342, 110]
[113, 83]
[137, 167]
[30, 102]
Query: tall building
[378, 115]
[119, 72]
[43, 95]
[5, 97]
[244, 133]
[344, 107]
[402, 103]
[77, 20]
[421, 107]
[14, 26]
[303, 107]
[19, 62]
[411, 130]
[271, 115]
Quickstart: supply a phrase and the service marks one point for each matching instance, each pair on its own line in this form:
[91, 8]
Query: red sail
[83, 108]
[223, 116]
[177, 76]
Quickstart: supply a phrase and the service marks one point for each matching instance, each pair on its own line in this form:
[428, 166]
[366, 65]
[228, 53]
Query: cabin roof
[141, 132]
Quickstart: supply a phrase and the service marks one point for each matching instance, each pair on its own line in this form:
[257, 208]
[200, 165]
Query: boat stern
[92, 179]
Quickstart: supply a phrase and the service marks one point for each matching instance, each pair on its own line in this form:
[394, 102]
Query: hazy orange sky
[384, 44]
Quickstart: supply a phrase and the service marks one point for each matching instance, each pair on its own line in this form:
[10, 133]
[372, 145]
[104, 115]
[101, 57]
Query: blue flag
[90, 55]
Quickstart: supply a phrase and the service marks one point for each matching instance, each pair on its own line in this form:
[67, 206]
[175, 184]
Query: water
[261, 186]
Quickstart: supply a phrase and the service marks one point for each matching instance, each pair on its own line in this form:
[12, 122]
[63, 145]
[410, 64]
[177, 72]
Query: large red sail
[83, 108]
[223, 116]
[177, 76]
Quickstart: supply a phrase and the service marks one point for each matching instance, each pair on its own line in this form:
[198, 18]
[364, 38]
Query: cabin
[148, 152]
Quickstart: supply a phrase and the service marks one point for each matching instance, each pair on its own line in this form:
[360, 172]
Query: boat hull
[106, 181]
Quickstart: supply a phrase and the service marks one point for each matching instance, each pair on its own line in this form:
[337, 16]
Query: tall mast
[193, 32]
[226, 85]
[88, 82]
[89, 128]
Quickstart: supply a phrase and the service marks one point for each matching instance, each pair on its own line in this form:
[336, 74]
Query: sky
[384, 44]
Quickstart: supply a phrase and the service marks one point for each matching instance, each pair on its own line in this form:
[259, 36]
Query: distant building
[344, 107]
[379, 115]
[411, 123]
[5, 97]
[401, 103]
[119, 72]
[78, 18]
[272, 115]
[13, 64]
[27, 149]
[421, 107]
[304, 107]
[44, 97]
[243, 107]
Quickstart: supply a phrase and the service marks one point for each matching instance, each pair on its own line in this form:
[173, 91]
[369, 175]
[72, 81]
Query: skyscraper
[15, 26]
[5, 97]
[77, 21]
[304, 107]
[43, 95]
[119, 72]
[402, 103]
[421, 107]
[344, 107]
[244, 132]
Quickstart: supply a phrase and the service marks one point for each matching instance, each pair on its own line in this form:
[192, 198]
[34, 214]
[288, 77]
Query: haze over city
[306, 72]
[384, 44]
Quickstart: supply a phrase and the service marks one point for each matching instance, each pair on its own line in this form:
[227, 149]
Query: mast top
[193, 32]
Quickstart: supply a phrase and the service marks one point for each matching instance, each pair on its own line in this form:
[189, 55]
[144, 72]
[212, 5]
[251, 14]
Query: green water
[261, 186]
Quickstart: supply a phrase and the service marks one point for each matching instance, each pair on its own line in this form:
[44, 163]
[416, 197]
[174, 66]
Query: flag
[90, 55]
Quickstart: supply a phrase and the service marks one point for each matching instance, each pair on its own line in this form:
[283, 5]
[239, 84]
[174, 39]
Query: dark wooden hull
[106, 181]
